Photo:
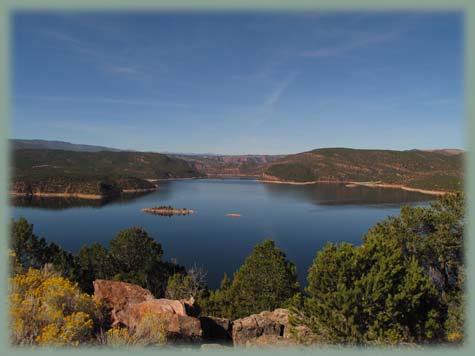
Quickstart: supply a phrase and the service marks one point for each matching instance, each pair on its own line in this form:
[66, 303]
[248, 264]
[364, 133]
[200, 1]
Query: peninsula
[91, 175]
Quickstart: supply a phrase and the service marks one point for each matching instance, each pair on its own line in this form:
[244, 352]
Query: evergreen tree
[266, 281]
[29, 249]
[136, 257]
[94, 263]
[401, 285]
[218, 303]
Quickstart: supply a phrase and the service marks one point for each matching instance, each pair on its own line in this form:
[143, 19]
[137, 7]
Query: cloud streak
[355, 43]
[268, 106]
[123, 69]
[104, 61]
[273, 99]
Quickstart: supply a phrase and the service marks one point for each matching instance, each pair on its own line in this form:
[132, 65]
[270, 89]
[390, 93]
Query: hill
[92, 174]
[18, 144]
[447, 151]
[415, 168]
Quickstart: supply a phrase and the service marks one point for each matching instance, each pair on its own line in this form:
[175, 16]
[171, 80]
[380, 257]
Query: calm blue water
[301, 219]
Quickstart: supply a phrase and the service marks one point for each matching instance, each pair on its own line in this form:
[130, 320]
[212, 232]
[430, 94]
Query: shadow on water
[60, 203]
[340, 194]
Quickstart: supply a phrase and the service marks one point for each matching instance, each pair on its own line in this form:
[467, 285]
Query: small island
[167, 211]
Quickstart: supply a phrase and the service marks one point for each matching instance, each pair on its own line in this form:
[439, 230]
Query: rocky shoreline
[351, 184]
[403, 187]
[79, 195]
[264, 179]
[167, 211]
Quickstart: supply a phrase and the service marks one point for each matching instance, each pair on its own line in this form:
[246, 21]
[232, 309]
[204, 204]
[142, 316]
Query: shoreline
[403, 187]
[271, 181]
[80, 195]
[363, 184]
[59, 195]
[170, 179]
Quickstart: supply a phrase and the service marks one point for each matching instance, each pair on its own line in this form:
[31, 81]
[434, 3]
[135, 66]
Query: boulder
[178, 324]
[117, 296]
[267, 329]
[118, 293]
[129, 303]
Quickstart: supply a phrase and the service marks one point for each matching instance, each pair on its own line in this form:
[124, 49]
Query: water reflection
[319, 194]
[340, 194]
[61, 203]
[301, 219]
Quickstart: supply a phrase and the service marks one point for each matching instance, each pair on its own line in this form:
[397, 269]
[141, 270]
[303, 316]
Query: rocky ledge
[126, 305]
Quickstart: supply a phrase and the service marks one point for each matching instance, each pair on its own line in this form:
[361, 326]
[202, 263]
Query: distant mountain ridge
[431, 169]
[58, 145]
[68, 146]
[447, 151]
[229, 165]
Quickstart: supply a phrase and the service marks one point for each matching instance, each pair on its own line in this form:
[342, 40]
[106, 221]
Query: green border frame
[465, 6]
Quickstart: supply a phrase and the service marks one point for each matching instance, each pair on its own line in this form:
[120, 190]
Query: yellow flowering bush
[151, 331]
[119, 337]
[455, 337]
[47, 309]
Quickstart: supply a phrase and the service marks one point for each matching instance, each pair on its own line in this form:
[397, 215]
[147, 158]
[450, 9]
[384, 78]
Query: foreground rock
[118, 296]
[128, 304]
[179, 325]
[268, 329]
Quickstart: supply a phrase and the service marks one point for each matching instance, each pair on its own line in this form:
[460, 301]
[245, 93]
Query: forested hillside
[92, 173]
[414, 168]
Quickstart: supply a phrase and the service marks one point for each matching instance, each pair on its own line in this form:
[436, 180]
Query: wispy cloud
[441, 101]
[59, 36]
[119, 101]
[96, 128]
[106, 61]
[266, 109]
[72, 42]
[123, 69]
[267, 69]
[273, 99]
[358, 41]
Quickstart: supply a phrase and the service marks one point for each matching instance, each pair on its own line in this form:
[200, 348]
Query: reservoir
[230, 217]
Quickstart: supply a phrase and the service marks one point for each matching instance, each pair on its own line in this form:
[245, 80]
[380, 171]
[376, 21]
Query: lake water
[300, 218]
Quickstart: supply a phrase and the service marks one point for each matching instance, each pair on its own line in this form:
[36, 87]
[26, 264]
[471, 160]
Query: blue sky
[236, 83]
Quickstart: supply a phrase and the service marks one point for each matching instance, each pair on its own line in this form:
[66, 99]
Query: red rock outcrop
[266, 329]
[179, 324]
[129, 303]
[117, 296]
